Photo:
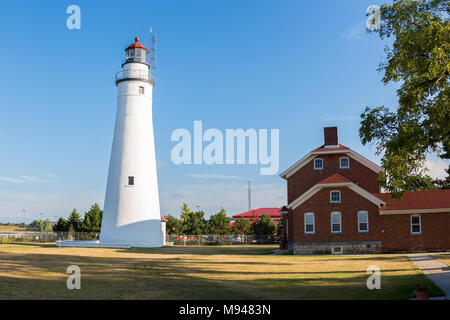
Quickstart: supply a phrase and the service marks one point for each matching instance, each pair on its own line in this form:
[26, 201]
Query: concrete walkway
[437, 271]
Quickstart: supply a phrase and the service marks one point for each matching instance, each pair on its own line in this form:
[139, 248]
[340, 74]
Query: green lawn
[33, 271]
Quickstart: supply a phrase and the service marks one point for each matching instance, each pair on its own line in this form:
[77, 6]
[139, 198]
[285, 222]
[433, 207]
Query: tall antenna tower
[249, 197]
[152, 50]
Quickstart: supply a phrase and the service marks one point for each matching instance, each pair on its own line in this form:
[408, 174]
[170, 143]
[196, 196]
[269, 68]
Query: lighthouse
[131, 214]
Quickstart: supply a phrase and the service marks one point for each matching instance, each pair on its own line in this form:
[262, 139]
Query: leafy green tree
[218, 223]
[92, 221]
[192, 223]
[241, 226]
[419, 62]
[263, 226]
[34, 224]
[75, 221]
[173, 225]
[45, 225]
[62, 225]
[279, 227]
[444, 183]
[418, 182]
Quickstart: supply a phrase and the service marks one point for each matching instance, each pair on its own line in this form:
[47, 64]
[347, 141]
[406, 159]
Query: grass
[37, 271]
[18, 229]
[444, 257]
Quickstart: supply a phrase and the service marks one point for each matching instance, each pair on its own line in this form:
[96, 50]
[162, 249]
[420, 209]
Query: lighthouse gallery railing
[135, 75]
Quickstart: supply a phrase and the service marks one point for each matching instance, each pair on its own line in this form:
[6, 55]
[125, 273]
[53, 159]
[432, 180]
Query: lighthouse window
[141, 90]
[131, 181]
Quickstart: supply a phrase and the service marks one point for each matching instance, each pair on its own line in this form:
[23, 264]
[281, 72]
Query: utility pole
[249, 197]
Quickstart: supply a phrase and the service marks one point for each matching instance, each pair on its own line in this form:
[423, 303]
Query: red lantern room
[136, 52]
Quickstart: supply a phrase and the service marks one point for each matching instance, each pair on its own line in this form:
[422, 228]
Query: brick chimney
[330, 135]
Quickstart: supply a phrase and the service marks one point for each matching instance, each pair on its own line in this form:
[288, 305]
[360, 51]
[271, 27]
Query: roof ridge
[324, 181]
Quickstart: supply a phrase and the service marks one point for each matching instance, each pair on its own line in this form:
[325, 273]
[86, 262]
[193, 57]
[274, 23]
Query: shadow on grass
[180, 278]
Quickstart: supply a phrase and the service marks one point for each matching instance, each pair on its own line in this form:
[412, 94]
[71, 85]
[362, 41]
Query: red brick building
[335, 206]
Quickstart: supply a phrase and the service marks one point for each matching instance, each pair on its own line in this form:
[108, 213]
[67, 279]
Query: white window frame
[340, 221]
[340, 163]
[314, 162]
[313, 223]
[420, 224]
[331, 197]
[359, 221]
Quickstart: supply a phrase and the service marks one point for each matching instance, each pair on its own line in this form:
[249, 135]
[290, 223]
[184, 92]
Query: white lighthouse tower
[131, 213]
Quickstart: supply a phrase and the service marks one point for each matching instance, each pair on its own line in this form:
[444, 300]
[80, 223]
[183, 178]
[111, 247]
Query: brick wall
[435, 233]
[394, 231]
[351, 203]
[307, 177]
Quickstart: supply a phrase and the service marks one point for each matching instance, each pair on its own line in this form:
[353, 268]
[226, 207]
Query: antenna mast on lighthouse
[152, 50]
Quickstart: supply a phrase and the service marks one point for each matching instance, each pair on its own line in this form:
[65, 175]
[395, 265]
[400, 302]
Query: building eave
[353, 154]
[316, 188]
[415, 211]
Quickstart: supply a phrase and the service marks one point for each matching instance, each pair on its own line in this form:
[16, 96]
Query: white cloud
[13, 180]
[437, 168]
[23, 179]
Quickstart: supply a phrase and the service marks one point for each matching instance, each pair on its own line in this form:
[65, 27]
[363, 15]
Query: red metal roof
[428, 199]
[136, 44]
[323, 148]
[257, 213]
[335, 178]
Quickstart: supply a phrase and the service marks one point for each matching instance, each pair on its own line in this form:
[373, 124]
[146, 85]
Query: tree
[419, 61]
[263, 226]
[45, 225]
[192, 223]
[418, 182]
[241, 226]
[74, 221]
[444, 183]
[218, 223]
[34, 224]
[173, 225]
[62, 225]
[93, 219]
[279, 227]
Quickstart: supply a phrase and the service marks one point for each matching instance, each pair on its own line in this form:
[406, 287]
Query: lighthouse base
[90, 244]
[144, 234]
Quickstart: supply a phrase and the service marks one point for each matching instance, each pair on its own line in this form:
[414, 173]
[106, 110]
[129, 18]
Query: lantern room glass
[136, 55]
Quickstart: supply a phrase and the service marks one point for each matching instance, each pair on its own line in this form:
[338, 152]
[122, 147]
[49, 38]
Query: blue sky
[293, 65]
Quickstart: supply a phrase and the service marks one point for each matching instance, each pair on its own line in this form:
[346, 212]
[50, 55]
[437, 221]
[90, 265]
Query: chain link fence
[43, 237]
[199, 240]
[221, 240]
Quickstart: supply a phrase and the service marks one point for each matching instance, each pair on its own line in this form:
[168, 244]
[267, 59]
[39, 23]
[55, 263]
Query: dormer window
[344, 163]
[318, 164]
[335, 196]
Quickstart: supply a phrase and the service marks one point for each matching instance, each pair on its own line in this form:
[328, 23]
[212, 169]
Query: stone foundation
[339, 248]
